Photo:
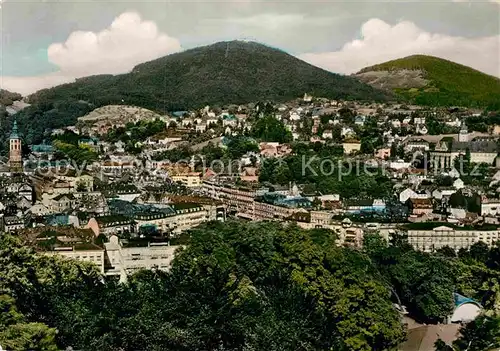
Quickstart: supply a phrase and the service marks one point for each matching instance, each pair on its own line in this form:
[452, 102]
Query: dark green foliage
[237, 286]
[320, 164]
[446, 251]
[136, 132]
[270, 129]
[240, 145]
[482, 334]
[222, 73]
[451, 84]
[7, 97]
[440, 345]
[479, 251]
[423, 283]
[327, 289]
[244, 286]
[484, 122]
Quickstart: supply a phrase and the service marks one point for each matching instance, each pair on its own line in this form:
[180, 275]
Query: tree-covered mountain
[222, 73]
[433, 81]
[219, 74]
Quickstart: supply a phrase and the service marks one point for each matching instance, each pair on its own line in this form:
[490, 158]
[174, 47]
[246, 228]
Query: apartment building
[352, 236]
[457, 238]
[126, 257]
[244, 202]
[265, 211]
[190, 180]
[111, 225]
[190, 215]
[240, 199]
[86, 252]
[490, 207]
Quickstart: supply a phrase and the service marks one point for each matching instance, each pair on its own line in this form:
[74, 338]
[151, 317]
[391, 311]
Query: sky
[50, 42]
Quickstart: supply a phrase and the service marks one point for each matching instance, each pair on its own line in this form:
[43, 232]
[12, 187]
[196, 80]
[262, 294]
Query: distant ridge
[430, 80]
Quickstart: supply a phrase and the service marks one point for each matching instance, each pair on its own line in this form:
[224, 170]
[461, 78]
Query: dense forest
[233, 72]
[246, 286]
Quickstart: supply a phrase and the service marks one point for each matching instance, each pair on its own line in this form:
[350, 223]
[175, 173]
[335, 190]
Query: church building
[15, 153]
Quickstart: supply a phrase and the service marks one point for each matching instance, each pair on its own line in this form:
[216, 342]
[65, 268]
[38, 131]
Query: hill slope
[7, 97]
[429, 80]
[222, 73]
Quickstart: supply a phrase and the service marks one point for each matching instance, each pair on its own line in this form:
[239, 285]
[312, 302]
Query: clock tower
[15, 155]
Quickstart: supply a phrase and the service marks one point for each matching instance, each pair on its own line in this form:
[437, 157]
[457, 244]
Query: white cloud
[127, 42]
[381, 41]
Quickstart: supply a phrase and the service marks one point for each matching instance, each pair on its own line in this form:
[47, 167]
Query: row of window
[92, 258]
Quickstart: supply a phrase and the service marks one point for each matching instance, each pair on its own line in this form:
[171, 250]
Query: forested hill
[218, 74]
[222, 73]
[429, 80]
[7, 97]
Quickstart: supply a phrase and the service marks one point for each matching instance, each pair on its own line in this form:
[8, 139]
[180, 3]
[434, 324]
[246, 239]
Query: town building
[128, 256]
[431, 236]
[15, 150]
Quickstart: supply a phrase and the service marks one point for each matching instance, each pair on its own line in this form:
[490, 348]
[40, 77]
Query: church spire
[14, 134]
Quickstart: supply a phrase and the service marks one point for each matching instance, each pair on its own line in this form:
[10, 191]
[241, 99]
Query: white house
[406, 194]
[327, 134]
[294, 116]
[490, 207]
[440, 193]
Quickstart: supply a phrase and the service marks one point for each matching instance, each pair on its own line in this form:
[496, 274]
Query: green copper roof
[14, 132]
[460, 300]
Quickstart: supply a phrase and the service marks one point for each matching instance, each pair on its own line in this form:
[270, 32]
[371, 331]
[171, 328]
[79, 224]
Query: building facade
[125, 258]
[456, 238]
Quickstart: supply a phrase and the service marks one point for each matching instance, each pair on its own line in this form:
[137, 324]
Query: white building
[490, 207]
[82, 252]
[430, 240]
[126, 258]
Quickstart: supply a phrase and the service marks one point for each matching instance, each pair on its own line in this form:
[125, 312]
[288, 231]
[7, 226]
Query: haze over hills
[222, 73]
[433, 81]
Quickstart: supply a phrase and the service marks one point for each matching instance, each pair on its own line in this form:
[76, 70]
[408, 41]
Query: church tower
[463, 135]
[15, 155]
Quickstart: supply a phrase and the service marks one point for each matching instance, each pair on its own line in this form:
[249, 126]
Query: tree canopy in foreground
[235, 286]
